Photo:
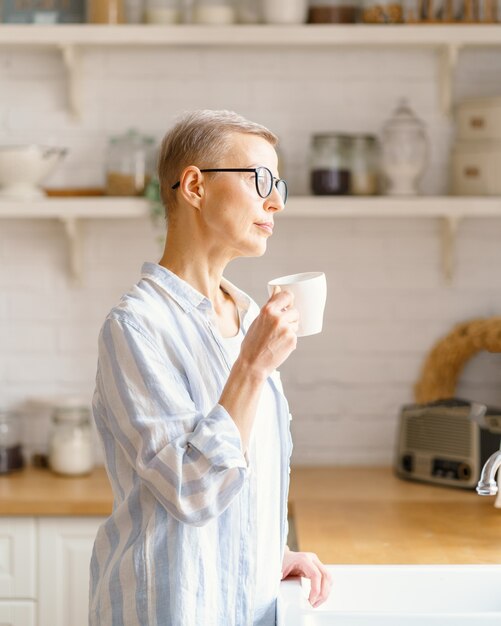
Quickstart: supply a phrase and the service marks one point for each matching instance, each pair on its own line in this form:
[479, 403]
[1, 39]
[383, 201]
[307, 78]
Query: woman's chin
[259, 250]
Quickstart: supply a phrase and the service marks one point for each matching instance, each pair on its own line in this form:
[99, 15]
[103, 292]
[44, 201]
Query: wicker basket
[445, 362]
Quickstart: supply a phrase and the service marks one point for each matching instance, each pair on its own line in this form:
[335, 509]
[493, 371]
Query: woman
[190, 407]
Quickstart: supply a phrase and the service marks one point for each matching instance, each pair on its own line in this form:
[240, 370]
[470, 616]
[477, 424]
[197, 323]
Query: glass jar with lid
[130, 163]
[11, 452]
[70, 442]
[364, 165]
[333, 11]
[404, 151]
[213, 12]
[330, 164]
[382, 11]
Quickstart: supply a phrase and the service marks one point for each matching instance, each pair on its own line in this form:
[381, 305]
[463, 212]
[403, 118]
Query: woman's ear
[191, 186]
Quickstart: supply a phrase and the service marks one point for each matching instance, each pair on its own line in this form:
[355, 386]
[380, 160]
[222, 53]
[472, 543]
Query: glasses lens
[282, 189]
[264, 181]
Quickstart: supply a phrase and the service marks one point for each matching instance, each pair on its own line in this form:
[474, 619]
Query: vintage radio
[446, 442]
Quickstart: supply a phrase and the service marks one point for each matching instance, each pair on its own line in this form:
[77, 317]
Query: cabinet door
[14, 613]
[65, 548]
[17, 557]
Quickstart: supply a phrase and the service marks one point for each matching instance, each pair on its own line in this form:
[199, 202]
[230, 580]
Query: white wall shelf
[431, 35]
[72, 39]
[393, 206]
[450, 210]
[331, 207]
[75, 208]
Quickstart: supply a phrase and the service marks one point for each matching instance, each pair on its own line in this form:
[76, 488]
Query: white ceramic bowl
[23, 168]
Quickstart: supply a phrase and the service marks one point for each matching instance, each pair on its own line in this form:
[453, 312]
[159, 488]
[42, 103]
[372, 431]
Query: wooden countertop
[34, 491]
[344, 514]
[368, 515]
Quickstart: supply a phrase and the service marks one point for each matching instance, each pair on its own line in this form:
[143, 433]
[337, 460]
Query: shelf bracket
[450, 226]
[73, 230]
[72, 62]
[449, 55]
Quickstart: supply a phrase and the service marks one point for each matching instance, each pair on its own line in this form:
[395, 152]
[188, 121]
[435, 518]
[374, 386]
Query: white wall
[388, 301]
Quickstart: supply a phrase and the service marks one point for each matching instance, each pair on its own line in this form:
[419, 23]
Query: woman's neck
[197, 267]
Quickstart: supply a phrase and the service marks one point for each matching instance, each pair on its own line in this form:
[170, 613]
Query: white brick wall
[387, 299]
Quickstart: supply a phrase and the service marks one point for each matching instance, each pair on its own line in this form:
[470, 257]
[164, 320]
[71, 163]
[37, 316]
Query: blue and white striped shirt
[179, 548]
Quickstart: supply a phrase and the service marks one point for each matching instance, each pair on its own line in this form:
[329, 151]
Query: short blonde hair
[200, 138]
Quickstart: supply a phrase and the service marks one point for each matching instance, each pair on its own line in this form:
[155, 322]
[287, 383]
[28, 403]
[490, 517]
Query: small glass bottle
[162, 12]
[11, 452]
[129, 164]
[70, 442]
[488, 11]
[213, 12]
[330, 164]
[134, 11]
[412, 11]
[249, 12]
[105, 11]
[364, 165]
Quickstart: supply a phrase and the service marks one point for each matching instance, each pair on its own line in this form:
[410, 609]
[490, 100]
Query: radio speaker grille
[446, 435]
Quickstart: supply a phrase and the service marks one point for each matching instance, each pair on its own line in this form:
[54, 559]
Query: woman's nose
[274, 202]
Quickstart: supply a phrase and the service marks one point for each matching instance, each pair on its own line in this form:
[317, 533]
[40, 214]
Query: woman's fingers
[326, 582]
[291, 315]
[280, 305]
[314, 574]
[282, 299]
[308, 565]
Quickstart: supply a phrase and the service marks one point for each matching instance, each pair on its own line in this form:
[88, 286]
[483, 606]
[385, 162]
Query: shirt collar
[184, 294]
[240, 298]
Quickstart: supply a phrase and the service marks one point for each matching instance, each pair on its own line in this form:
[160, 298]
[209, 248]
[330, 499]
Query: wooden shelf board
[436, 35]
[75, 208]
[297, 206]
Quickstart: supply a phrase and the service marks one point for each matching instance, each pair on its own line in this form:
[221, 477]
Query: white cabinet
[44, 570]
[17, 613]
[18, 575]
[64, 552]
[17, 558]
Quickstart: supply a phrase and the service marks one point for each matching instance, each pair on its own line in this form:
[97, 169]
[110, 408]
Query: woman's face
[233, 214]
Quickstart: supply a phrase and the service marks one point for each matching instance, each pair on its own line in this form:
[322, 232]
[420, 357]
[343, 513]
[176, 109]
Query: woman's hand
[308, 565]
[272, 336]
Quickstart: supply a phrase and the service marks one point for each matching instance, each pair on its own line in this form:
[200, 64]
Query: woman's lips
[266, 226]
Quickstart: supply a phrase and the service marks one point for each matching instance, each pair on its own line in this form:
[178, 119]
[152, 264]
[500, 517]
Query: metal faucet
[487, 485]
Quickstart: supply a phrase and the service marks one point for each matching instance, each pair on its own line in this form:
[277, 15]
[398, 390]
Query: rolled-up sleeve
[191, 460]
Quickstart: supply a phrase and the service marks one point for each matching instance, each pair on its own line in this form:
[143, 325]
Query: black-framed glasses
[263, 177]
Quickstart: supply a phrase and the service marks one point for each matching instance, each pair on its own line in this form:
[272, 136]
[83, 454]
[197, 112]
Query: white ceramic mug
[310, 294]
